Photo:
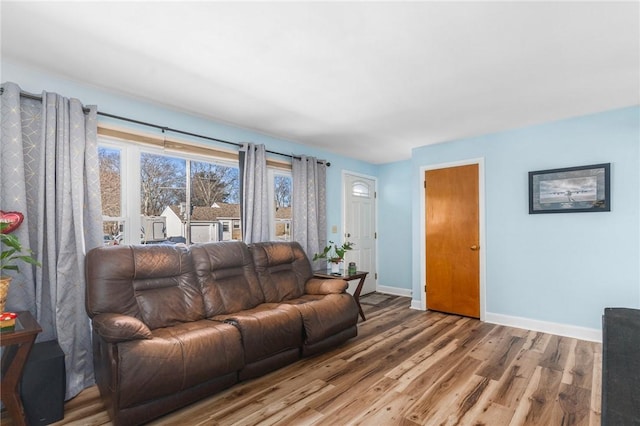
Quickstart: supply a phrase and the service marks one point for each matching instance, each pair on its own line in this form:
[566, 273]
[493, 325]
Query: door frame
[372, 274]
[481, 225]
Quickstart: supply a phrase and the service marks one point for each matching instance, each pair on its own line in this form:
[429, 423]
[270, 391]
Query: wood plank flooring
[409, 368]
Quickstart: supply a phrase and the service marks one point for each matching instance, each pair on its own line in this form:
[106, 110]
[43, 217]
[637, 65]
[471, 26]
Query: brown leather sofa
[173, 324]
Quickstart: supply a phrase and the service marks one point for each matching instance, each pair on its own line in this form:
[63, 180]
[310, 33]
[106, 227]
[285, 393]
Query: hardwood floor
[407, 367]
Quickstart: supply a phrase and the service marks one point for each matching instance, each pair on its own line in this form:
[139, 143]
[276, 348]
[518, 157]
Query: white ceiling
[368, 80]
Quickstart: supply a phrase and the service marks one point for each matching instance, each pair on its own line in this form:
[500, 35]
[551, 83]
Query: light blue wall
[35, 81]
[560, 268]
[394, 225]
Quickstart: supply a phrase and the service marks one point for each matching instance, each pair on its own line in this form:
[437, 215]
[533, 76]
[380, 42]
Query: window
[213, 183]
[166, 206]
[163, 186]
[281, 213]
[111, 185]
[214, 198]
[178, 197]
[360, 189]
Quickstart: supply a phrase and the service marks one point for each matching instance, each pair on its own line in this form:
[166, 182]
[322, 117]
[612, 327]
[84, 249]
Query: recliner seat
[329, 314]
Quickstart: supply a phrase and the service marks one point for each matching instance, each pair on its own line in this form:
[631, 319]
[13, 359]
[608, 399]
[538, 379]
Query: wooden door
[453, 240]
[360, 227]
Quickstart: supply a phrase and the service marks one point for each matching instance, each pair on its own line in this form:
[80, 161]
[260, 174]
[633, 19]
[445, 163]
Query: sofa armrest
[325, 286]
[119, 328]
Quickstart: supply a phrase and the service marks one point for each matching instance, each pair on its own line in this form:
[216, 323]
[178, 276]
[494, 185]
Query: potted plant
[334, 254]
[12, 253]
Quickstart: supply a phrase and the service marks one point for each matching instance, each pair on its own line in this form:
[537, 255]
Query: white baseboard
[574, 331]
[417, 305]
[395, 291]
[582, 333]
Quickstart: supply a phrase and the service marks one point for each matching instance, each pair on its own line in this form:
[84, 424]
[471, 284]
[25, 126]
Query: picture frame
[570, 190]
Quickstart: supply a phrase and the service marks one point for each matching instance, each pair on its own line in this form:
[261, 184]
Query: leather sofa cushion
[266, 329]
[154, 283]
[283, 269]
[227, 277]
[324, 316]
[175, 359]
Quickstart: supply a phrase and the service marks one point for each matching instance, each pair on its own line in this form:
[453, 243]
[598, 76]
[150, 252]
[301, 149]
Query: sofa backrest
[227, 277]
[154, 283]
[283, 269]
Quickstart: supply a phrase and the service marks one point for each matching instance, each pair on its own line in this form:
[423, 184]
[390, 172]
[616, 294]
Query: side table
[18, 344]
[361, 275]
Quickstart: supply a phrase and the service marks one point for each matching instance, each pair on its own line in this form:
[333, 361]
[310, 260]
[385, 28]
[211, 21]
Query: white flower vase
[335, 267]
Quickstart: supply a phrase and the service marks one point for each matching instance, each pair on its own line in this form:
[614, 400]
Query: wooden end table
[361, 275]
[18, 344]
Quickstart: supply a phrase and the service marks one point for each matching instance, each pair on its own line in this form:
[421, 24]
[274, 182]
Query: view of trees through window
[174, 209]
[282, 200]
[212, 183]
[111, 192]
[162, 183]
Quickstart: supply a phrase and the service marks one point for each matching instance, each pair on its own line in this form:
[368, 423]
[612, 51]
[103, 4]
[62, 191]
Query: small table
[362, 275]
[19, 342]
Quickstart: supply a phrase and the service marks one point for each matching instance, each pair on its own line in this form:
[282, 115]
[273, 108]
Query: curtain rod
[163, 128]
[170, 129]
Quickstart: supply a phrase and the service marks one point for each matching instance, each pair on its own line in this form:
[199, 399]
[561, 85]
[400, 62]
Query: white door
[360, 227]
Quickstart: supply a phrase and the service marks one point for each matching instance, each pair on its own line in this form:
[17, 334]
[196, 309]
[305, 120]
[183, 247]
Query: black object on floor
[621, 367]
[43, 384]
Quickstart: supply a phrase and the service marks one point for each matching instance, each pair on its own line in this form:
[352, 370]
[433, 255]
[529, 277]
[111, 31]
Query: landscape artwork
[574, 189]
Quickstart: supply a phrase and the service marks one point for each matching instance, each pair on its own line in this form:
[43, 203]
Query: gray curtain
[309, 222]
[49, 172]
[254, 203]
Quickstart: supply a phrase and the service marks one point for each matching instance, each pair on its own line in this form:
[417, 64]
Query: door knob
[475, 247]
[348, 235]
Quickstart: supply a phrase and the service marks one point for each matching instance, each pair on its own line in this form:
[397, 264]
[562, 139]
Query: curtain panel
[50, 173]
[254, 204]
[309, 222]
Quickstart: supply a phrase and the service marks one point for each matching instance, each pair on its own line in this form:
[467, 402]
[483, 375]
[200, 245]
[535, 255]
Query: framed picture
[570, 190]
